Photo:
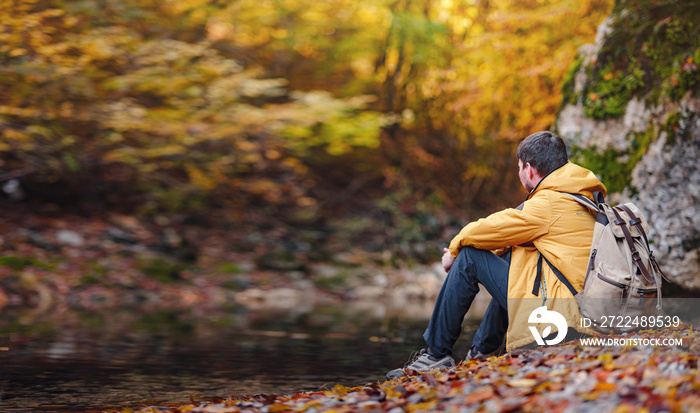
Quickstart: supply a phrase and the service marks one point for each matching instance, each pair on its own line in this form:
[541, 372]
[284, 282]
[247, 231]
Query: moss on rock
[652, 52]
[677, 126]
[569, 95]
[615, 166]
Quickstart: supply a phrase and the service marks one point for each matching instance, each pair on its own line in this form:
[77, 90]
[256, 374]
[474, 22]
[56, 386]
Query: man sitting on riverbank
[548, 222]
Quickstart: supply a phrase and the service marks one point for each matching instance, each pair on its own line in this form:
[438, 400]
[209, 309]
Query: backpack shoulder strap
[584, 201]
[593, 206]
[555, 270]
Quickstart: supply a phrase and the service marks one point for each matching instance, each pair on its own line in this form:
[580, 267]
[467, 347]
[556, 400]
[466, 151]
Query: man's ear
[533, 173]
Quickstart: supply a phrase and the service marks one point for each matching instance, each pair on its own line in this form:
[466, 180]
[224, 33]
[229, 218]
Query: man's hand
[447, 260]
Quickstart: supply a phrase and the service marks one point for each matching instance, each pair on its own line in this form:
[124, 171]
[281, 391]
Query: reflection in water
[136, 357]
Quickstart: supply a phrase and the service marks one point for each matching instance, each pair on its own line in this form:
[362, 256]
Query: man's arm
[448, 259]
[507, 227]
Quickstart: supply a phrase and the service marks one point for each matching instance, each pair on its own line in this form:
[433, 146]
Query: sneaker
[474, 354]
[423, 361]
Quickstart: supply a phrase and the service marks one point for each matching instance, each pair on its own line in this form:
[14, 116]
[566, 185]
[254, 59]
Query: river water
[137, 357]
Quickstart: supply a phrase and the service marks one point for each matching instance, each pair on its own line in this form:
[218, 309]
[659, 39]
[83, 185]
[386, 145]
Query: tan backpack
[622, 288]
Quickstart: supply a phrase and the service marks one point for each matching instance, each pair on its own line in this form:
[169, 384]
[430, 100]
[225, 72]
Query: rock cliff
[631, 113]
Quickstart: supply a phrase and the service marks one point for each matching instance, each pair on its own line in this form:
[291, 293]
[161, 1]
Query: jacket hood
[573, 179]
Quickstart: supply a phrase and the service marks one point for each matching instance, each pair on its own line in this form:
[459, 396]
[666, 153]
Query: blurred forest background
[295, 129]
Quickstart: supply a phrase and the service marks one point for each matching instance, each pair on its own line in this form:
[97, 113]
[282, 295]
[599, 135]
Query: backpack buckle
[636, 257]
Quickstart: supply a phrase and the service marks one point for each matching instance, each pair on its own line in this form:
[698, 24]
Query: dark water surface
[79, 361]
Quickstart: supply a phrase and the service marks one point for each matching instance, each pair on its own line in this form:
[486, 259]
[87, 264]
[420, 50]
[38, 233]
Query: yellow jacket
[554, 224]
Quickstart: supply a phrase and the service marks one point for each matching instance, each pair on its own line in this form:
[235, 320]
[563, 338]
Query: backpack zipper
[613, 282]
[616, 284]
[642, 291]
[591, 264]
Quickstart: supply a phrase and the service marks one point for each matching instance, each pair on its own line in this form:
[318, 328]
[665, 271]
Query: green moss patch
[615, 167]
[19, 263]
[569, 96]
[677, 126]
[163, 270]
[652, 52]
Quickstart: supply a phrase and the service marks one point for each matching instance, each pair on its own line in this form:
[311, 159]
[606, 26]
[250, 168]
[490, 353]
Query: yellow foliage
[339, 390]
[192, 97]
[162, 151]
[16, 135]
[199, 178]
[517, 65]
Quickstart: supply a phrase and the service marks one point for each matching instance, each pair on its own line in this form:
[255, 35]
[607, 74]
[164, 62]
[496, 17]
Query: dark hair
[544, 151]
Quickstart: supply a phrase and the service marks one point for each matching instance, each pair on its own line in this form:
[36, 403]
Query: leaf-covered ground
[566, 378]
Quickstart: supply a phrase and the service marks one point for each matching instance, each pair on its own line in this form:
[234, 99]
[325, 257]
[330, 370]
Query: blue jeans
[471, 268]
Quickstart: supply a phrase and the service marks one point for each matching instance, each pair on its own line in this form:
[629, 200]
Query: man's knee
[467, 259]
[469, 254]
